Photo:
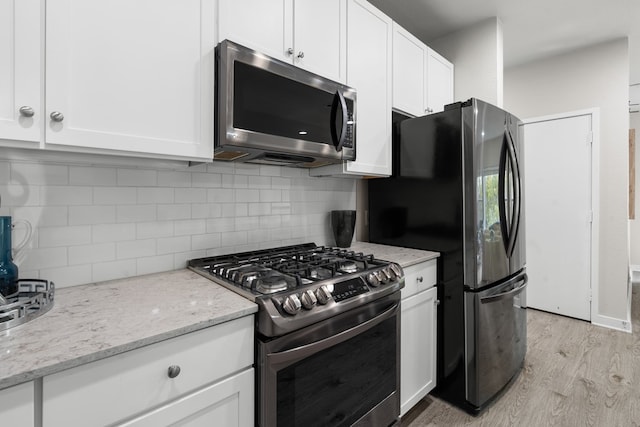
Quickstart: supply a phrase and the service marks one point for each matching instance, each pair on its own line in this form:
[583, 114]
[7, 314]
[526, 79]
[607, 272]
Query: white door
[558, 208]
[439, 82]
[408, 72]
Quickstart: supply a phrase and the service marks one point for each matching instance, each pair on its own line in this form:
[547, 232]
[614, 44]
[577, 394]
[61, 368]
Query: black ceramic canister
[343, 224]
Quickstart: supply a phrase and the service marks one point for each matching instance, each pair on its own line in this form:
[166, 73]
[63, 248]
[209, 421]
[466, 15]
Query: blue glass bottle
[8, 270]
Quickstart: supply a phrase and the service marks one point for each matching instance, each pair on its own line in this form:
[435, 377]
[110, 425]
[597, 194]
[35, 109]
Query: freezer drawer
[496, 338]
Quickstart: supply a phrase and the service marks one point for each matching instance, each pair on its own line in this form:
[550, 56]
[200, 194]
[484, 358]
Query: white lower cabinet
[418, 336]
[17, 405]
[203, 376]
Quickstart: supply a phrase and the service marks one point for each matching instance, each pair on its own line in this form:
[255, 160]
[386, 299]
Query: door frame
[595, 316]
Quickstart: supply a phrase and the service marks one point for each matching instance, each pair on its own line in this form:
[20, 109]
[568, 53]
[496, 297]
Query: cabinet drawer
[419, 277]
[17, 405]
[111, 389]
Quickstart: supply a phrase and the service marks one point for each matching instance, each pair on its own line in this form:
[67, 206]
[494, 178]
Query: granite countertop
[95, 321]
[403, 256]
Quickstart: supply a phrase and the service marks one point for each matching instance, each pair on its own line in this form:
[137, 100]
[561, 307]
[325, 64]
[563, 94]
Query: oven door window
[340, 384]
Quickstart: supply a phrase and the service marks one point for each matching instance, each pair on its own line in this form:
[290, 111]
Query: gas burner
[271, 284]
[347, 266]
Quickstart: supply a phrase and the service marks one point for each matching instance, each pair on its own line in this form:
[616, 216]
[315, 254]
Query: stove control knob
[390, 273]
[396, 270]
[291, 304]
[383, 275]
[308, 299]
[372, 279]
[323, 294]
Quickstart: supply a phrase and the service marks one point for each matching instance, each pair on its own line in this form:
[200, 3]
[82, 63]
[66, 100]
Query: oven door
[340, 372]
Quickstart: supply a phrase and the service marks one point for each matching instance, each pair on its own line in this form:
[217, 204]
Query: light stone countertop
[403, 256]
[95, 321]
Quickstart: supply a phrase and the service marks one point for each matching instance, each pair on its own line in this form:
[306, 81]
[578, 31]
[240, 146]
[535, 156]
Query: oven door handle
[298, 353]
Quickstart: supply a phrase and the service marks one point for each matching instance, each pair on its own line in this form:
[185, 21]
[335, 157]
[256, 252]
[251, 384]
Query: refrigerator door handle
[501, 194]
[522, 284]
[517, 199]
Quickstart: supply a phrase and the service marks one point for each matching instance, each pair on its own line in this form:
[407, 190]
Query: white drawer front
[108, 390]
[419, 277]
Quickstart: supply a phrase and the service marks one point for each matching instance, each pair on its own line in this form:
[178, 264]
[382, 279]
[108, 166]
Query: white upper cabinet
[369, 63]
[20, 82]
[134, 77]
[310, 34]
[422, 79]
[408, 72]
[439, 82]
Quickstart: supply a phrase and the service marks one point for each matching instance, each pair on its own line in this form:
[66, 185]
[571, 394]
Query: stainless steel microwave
[271, 112]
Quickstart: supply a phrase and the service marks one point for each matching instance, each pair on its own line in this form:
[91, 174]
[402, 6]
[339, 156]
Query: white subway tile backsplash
[174, 179]
[82, 215]
[64, 236]
[115, 196]
[39, 174]
[146, 230]
[137, 178]
[5, 172]
[189, 227]
[68, 276]
[95, 223]
[113, 232]
[205, 241]
[171, 212]
[155, 195]
[68, 195]
[136, 213]
[95, 176]
[170, 245]
[220, 195]
[114, 270]
[136, 248]
[89, 254]
[154, 264]
[247, 195]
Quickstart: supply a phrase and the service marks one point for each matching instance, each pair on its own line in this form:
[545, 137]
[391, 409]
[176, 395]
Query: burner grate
[34, 298]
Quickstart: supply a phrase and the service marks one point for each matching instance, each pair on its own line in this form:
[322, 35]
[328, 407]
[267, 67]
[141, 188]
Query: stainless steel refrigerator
[457, 188]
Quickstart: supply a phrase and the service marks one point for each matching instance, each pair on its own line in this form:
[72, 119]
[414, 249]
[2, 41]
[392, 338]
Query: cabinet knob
[26, 111]
[57, 116]
[420, 279]
[437, 302]
[290, 51]
[300, 54]
[428, 110]
[173, 371]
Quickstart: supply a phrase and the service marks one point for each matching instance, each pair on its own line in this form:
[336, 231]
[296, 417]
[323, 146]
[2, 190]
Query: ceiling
[531, 29]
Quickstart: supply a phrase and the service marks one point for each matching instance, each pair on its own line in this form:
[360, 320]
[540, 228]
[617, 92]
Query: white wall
[634, 224]
[477, 55]
[597, 76]
[100, 222]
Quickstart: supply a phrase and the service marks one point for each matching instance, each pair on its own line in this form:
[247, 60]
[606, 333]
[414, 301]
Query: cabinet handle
[57, 116]
[26, 111]
[290, 51]
[300, 54]
[419, 279]
[173, 371]
[437, 302]
[428, 110]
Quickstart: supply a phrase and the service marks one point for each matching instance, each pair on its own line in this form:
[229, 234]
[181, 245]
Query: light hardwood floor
[575, 374]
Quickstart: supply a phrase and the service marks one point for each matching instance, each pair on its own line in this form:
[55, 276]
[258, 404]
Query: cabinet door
[417, 348]
[17, 405]
[439, 82]
[408, 72]
[369, 72]
[320, 37]
[131, 76]
[265, 26]
[20, 81]
[229, 403]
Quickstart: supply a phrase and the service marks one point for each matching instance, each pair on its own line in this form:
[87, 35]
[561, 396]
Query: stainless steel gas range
[327, 332]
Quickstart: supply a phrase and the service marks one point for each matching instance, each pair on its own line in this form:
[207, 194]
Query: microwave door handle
[338, 100]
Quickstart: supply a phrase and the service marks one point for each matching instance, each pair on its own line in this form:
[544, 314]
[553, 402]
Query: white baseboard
[612, 323]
